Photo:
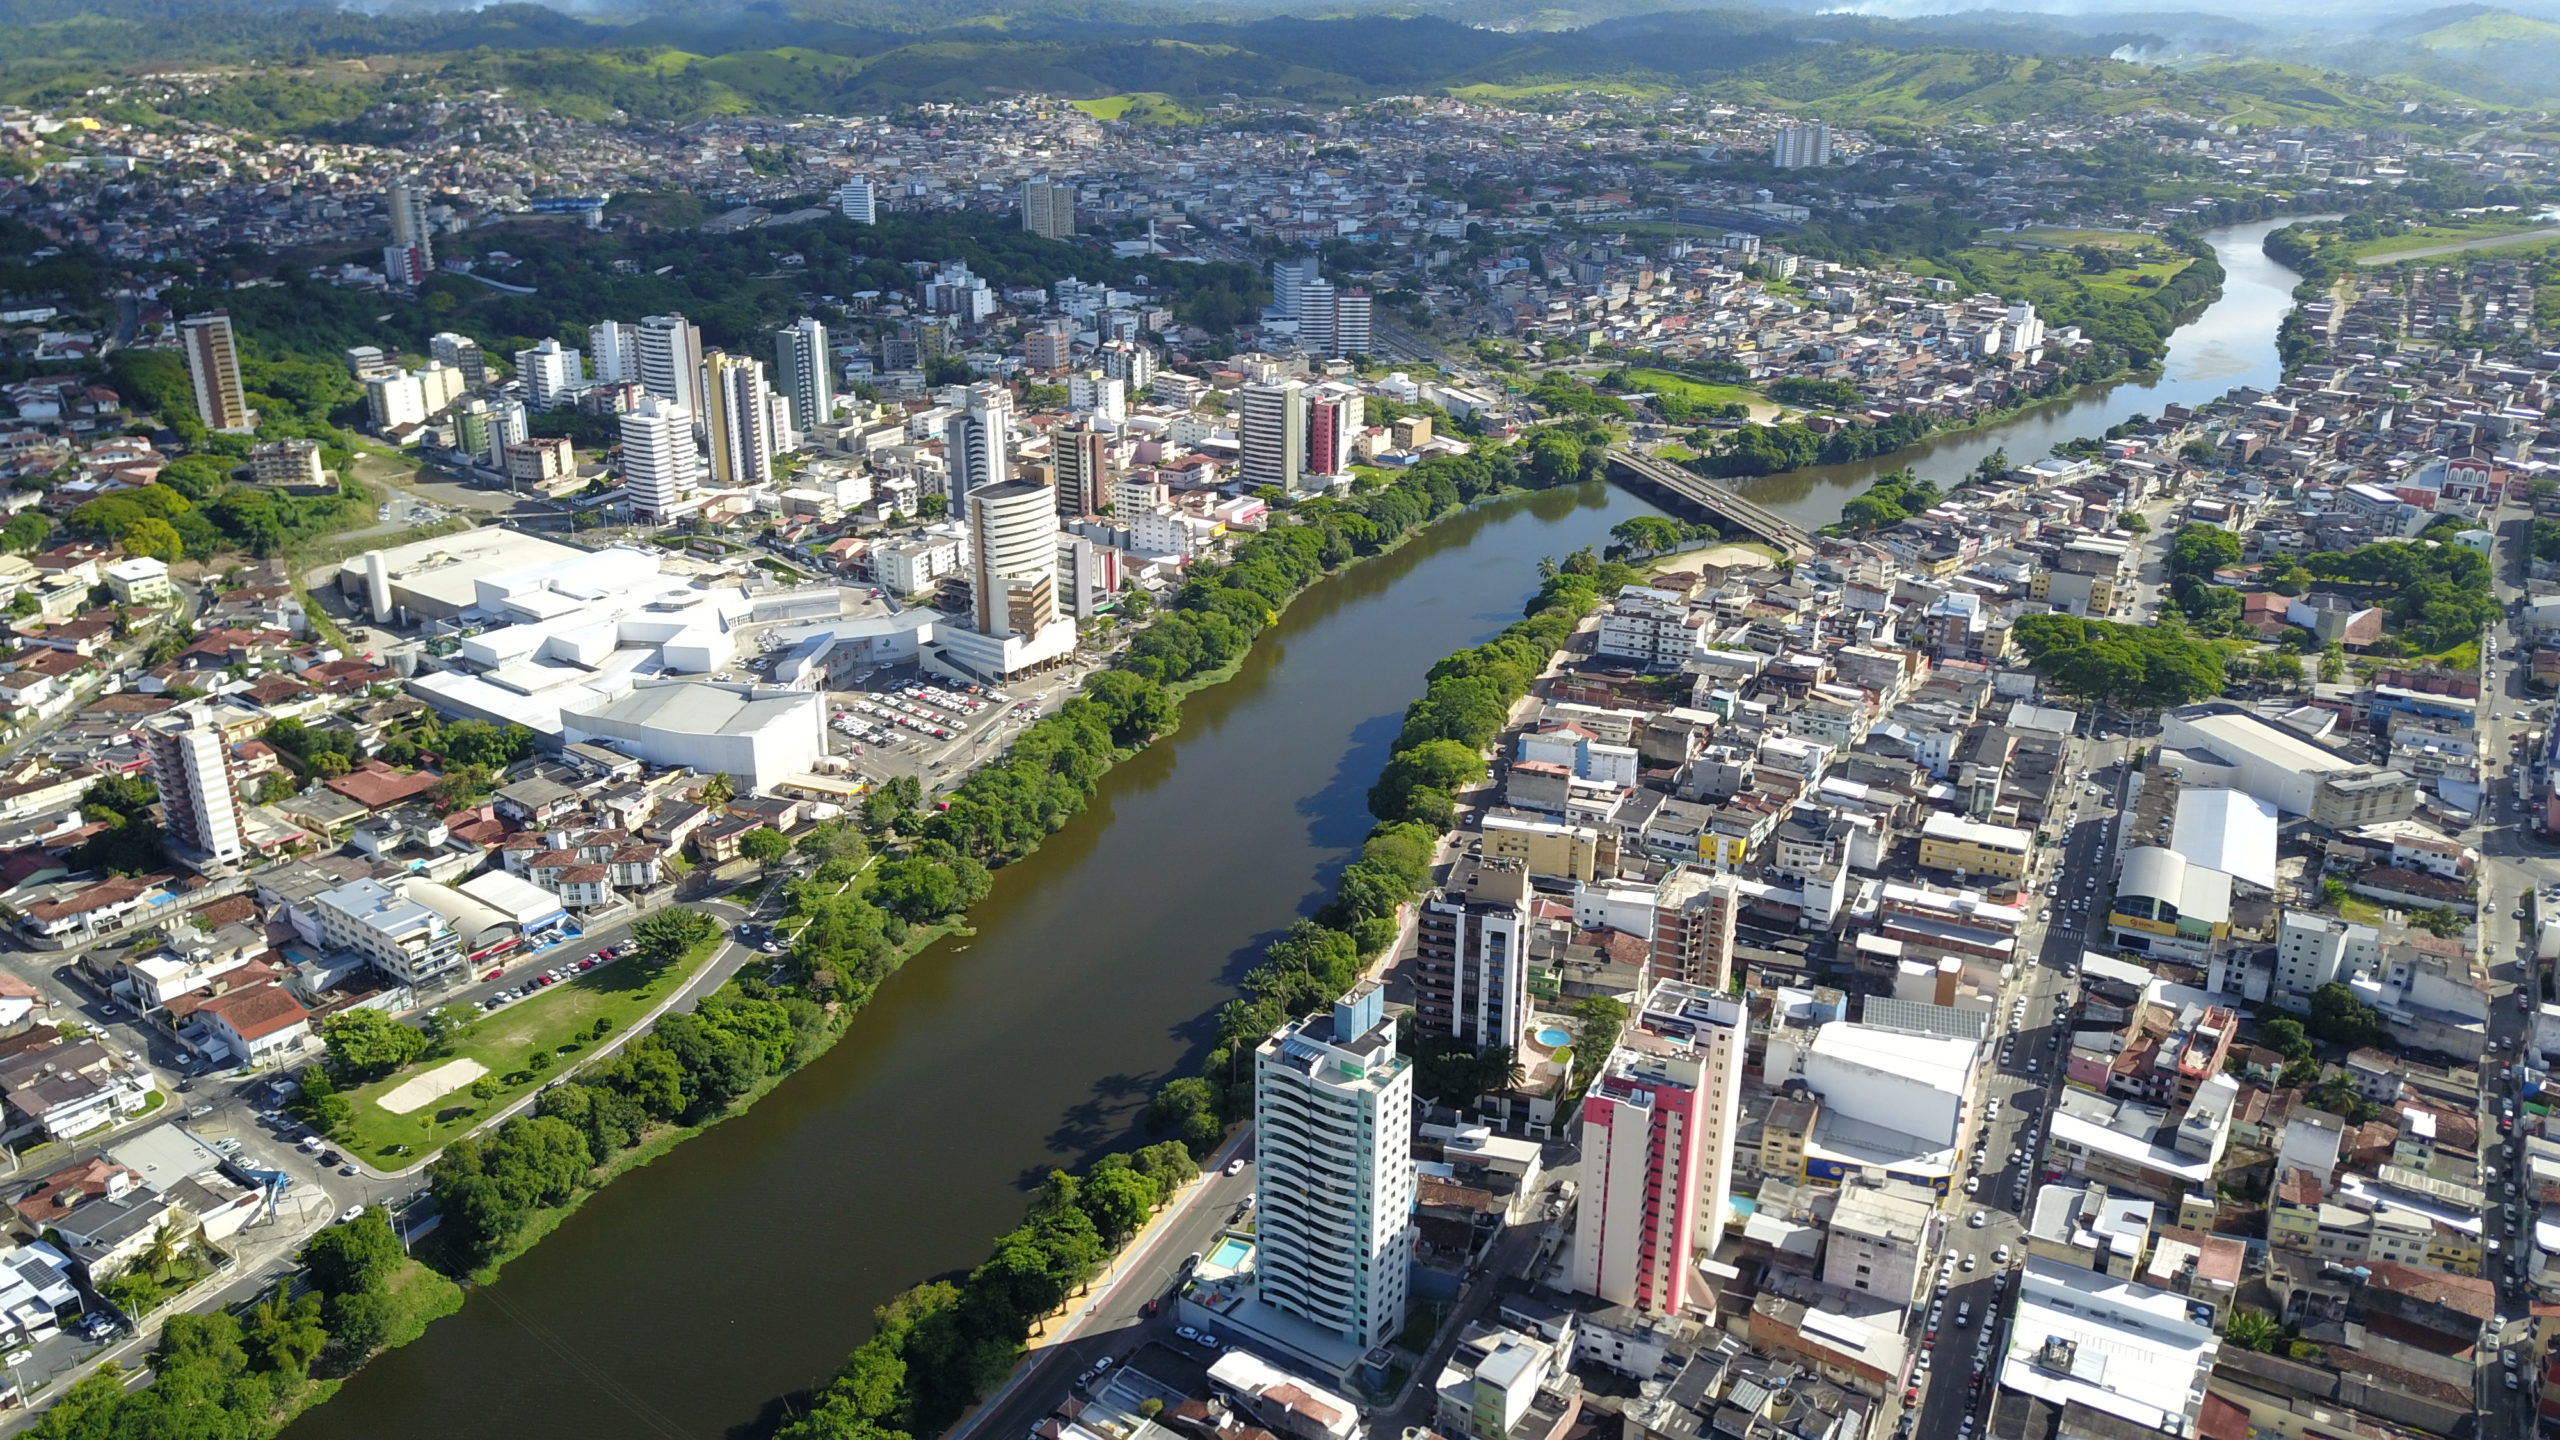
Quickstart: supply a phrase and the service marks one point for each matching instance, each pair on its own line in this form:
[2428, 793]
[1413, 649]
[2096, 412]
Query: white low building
[756, 735]
[2114, 1346]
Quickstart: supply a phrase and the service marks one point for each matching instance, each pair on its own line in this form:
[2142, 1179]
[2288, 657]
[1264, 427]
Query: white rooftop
[2124, 1348]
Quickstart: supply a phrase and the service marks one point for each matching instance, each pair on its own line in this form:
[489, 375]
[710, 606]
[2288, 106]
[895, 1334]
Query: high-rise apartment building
[1085, 472]
[1657, 1148]
[1316, 301]
[1354, 323]
[660, 465]
[1013, 544]
[1335, 414]
[1130, 363]
[805, 370]
[1049, 208]
[1471, 954]
[1334, 1178]
[613, 352]
[199, 786]
[669, 351]
[1271, 434]
[856, 201]
[551, 375]
[739, 427]
[975, 441]
[410, 228]
[1693, 915]
[1801, 147]
[213, 369]
[1099, 397]
[1289, 278]
[1048, 346]
[463, 354]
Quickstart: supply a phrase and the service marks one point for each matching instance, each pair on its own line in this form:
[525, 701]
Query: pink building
[1657, 1149]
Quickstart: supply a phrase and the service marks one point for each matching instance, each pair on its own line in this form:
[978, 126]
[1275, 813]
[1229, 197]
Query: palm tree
[2253, 1330]
[167, 1244]
[718, 790]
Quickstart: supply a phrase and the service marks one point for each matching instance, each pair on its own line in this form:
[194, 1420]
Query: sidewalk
[1062, 1327]
[260, 1255]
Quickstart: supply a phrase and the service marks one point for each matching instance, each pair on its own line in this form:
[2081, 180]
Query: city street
[2515, 865]
[1113, 1320]
[2030, 1029]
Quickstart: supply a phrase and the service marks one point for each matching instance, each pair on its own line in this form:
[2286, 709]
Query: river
[685, 1297]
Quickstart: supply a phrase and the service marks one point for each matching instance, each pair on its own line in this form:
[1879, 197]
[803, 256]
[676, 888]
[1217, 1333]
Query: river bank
[1096, 971]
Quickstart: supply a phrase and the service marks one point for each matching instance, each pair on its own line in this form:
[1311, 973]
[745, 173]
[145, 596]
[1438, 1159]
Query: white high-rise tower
[1271, 434]
[856, 201]
[669, 350]
[974, 443]
[1334, 1178]
[805, 373]
[613, 352]
[660, 466]
[199, 790]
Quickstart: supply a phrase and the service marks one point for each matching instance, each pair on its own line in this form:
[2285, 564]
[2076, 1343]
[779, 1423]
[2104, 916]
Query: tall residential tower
[1334, 1174]
[805, 373]
[1657, 1148]
[213, 368]
[199, 788]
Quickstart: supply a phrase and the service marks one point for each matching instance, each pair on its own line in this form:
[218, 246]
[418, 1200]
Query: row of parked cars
[552, 976]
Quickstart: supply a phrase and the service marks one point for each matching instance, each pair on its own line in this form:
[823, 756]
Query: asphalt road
[2005, 1151]
[2514, 862]
[1113, 1321]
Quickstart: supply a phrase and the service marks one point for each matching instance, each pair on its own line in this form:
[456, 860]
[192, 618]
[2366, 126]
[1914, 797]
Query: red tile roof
[378, 785]
[257, 1011]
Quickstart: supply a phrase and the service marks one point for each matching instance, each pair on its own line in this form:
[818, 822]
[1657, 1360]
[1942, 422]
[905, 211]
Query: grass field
[2057, 235]
[2420, 237]
[2047, 277]
[558, 1022]
[1696, 392]
[1141, 108]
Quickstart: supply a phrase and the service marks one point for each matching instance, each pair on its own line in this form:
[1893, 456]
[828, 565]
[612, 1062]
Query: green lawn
[2420, 237]
[562, 1016]
[2049, 277]
[1145, 107]
[1695, 392]
[2058, 235]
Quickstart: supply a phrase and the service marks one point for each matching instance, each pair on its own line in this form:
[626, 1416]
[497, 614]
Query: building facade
[213, 370]
[1334, 1173]
[1657, 1137]
[1471, 954]
[199, 787]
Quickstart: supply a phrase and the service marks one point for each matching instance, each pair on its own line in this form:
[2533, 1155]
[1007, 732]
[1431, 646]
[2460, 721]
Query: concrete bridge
[1686, 490]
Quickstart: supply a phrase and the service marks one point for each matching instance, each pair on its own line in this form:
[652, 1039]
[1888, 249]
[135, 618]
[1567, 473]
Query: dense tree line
[241, 1375]
[688, 1069]
[2437, 596]
[1756, 449]
[1894, 498]
[2122, 665]
[939, 1347]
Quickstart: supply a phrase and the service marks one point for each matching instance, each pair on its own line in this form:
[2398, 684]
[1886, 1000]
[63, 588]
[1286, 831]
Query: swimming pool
[1229, 1253]
[1554, 1037]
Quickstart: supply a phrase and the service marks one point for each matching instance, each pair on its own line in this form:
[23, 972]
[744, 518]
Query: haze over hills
[656, 60]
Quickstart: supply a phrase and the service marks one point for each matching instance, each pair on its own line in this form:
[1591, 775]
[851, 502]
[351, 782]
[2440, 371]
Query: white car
[351, 1215]
[1975, 1220]
[1236, 1166]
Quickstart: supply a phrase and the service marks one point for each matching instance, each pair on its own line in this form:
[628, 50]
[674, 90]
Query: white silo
[377, 586]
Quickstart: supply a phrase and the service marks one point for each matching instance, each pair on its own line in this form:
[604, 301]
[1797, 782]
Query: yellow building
[1952, 842]
[1542, 846]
